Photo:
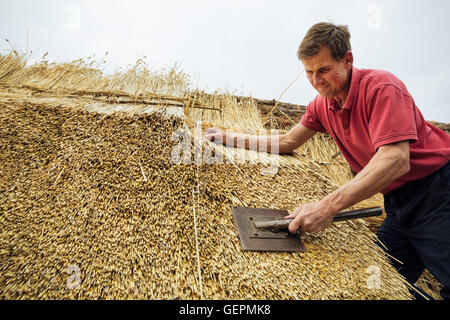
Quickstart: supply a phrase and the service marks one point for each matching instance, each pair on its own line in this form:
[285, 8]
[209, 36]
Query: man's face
[328, 76]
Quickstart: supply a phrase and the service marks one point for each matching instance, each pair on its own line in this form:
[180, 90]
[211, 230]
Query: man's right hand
[215, 135]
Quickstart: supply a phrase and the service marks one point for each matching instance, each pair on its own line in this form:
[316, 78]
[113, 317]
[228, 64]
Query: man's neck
[340, 101]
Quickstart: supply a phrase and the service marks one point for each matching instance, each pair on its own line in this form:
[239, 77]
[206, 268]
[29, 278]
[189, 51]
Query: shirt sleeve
[311, 119]
[391, 116]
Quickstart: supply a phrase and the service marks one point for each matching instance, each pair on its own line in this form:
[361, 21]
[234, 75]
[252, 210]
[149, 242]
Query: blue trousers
[416, 230]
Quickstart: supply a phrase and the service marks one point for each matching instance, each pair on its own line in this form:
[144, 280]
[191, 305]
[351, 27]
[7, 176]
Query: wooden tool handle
[277, 225]
[359, 213]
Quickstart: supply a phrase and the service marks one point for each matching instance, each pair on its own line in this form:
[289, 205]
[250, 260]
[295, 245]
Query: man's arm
[389, 163]
[284, 143]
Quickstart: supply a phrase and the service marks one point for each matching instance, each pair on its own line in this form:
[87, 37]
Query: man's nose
[316, 79]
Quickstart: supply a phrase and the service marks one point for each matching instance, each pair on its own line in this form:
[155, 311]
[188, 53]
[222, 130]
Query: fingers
[294, 226]
[210, 136]
[290, 216]
[302, 221]
[214, 135]
[211, 130]
[209, 133]
[309, 218]
[294, 213]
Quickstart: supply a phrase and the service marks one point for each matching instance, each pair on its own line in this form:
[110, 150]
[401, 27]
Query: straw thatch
[93, 205]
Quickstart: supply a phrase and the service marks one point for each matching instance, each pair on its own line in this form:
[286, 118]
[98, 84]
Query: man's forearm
[279, 144]
[381, 171]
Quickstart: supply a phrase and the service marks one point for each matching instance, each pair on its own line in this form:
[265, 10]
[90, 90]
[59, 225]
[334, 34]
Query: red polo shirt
[379, 110]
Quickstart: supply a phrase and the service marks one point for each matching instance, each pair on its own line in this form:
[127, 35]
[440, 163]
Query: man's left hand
[310, 217]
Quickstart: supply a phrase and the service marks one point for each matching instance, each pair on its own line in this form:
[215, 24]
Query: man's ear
[348, 58]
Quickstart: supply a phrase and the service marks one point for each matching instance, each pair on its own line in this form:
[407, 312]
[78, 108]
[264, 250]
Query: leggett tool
[266, 230]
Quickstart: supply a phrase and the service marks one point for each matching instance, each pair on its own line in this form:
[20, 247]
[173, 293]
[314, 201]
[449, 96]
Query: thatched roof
[90, 192]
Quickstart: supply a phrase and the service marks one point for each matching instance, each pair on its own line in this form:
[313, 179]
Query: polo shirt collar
[354, 85]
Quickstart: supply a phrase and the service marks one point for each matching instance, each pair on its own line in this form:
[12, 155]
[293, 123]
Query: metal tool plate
[253, 239]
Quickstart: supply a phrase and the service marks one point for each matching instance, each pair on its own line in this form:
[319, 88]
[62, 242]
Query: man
[382, 134]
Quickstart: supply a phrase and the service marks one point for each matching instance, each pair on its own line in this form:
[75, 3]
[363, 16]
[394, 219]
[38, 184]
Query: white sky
[246, 47]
